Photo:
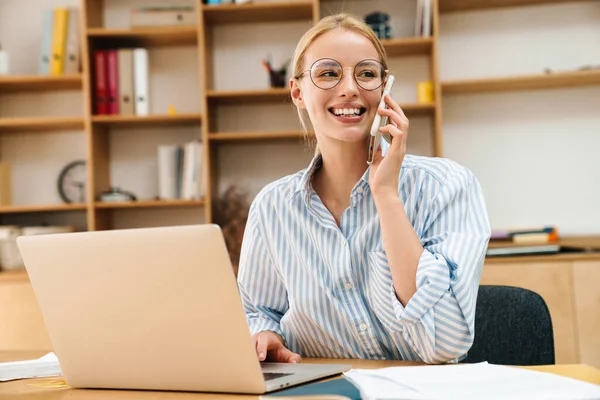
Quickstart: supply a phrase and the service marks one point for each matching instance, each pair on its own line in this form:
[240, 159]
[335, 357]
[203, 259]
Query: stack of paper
[467, 381]
[42, 367]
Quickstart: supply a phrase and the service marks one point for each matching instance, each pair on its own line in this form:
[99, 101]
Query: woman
[347, 260]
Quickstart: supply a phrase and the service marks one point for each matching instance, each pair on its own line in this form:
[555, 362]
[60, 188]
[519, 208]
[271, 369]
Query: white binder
[141, 81]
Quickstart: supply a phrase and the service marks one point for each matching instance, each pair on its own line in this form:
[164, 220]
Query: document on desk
[467, 381]
[45, 366]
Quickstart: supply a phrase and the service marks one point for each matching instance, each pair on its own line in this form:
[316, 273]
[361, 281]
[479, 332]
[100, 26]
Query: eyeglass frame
[385, 73]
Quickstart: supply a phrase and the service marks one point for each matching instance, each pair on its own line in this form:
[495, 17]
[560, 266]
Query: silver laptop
[151, 308]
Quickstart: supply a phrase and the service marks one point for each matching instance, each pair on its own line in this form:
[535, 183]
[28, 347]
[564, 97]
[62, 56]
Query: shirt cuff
[261, 324]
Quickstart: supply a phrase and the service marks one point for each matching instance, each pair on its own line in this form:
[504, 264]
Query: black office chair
[512, 327]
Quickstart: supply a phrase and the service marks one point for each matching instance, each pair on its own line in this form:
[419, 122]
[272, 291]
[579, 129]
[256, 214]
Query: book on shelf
[180, 171]
[60, 45]
[121, 82]
[424, 18]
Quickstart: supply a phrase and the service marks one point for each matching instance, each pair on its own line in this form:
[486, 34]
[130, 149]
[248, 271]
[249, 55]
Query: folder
[72, 56]
[339, 387]
[125, 57]
[46, 48]
[100, 85]
[141, 81]
[59, 38]
[112, 79]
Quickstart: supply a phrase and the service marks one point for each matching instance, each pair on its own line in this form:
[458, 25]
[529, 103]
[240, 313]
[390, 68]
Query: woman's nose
[348, 86]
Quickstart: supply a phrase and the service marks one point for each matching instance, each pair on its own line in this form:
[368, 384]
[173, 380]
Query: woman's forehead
[345, 46]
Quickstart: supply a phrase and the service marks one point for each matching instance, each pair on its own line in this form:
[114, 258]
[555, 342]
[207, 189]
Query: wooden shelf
[408, 46]
[418, 110]
[39, 83]
[40, 124]
[527, 82]
[126, 121]
[233, 136]
[466, 5]
[160, 36]
[249, 96]
[42, 208]
[151, 204]
[258, 12]
[14, 276]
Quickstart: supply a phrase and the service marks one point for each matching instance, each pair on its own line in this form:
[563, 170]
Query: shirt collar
[304, 185]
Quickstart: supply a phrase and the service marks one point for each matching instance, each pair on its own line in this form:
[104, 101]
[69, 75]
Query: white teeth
[346, 111]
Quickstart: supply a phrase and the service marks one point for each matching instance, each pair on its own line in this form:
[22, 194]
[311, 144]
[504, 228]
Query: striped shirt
[328, 289]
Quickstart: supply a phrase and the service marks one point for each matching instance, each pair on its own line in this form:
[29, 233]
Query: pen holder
[277, 77]
[425, 92]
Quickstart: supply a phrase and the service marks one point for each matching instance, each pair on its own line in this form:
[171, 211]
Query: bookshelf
[99, 33]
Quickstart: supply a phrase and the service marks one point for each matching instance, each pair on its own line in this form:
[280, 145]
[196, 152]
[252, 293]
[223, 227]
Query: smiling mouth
[347, 112]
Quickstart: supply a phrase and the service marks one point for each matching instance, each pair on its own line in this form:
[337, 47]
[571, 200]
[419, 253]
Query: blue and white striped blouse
[328, 290]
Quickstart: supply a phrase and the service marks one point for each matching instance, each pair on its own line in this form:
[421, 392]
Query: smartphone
[378, 122]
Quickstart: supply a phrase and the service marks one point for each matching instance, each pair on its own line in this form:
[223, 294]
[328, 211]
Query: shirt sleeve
[438, 321]
[262, 290]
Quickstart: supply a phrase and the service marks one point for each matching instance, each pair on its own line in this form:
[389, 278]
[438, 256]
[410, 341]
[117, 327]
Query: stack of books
[121, 82]
[524, 241]
[180, 171]
[60, 48]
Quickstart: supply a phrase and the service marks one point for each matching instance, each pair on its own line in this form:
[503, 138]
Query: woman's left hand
[385, 171]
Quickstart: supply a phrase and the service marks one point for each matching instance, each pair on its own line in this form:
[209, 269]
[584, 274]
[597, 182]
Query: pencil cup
[277, 77]
[425, 92]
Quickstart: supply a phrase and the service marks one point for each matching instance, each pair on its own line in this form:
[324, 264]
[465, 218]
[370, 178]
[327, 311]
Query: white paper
[45, 366]
[468, 381]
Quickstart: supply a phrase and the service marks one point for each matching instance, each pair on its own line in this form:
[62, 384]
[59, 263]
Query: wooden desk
[23, 389]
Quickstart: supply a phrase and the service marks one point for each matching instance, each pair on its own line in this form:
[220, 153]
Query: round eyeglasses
[326, 73]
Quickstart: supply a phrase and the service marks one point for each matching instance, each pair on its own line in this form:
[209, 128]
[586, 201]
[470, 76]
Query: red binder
[100, 99]
[112, 74]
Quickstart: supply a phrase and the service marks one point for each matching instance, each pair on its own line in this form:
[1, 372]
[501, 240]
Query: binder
[112, 79]
[141, 81]
[168, 168]
[59, 38]
[125, 57]
[46, 46]
[72, 57]
[100, 97]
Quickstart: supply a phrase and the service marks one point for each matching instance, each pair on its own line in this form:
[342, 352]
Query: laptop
[151, 309]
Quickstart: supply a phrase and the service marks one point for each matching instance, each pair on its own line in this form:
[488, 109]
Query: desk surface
[29, 389]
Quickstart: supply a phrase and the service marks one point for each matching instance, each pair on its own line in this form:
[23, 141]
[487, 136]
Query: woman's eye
[329, 74]
[367, 74]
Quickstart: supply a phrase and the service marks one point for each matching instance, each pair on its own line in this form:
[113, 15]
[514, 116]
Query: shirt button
[363, 327]
[359, 190]
[348, 286]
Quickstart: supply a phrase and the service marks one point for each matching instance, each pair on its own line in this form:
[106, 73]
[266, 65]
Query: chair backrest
[512, 327]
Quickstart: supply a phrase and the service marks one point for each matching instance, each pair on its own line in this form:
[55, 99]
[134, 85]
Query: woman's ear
[296, 94]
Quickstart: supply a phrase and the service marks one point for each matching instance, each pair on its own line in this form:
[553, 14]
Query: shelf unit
[96, 35]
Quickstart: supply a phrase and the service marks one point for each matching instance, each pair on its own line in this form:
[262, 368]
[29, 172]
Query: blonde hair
[327, 24]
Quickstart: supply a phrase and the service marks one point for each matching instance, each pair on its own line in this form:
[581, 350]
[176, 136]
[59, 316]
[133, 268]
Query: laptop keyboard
[273, 375]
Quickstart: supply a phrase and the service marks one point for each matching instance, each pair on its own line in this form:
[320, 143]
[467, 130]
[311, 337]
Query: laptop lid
[150, 308]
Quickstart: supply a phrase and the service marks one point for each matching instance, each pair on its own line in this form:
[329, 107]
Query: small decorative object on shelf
[276, 76]
[71, 182]
[231, 215]
[145, 17]
[4, 64]
[116, 195]
[379, 22]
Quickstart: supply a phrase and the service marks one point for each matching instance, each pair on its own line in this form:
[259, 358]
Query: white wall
[532, 151]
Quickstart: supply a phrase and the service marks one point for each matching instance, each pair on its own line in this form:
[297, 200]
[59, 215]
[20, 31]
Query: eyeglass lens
[327, 73]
